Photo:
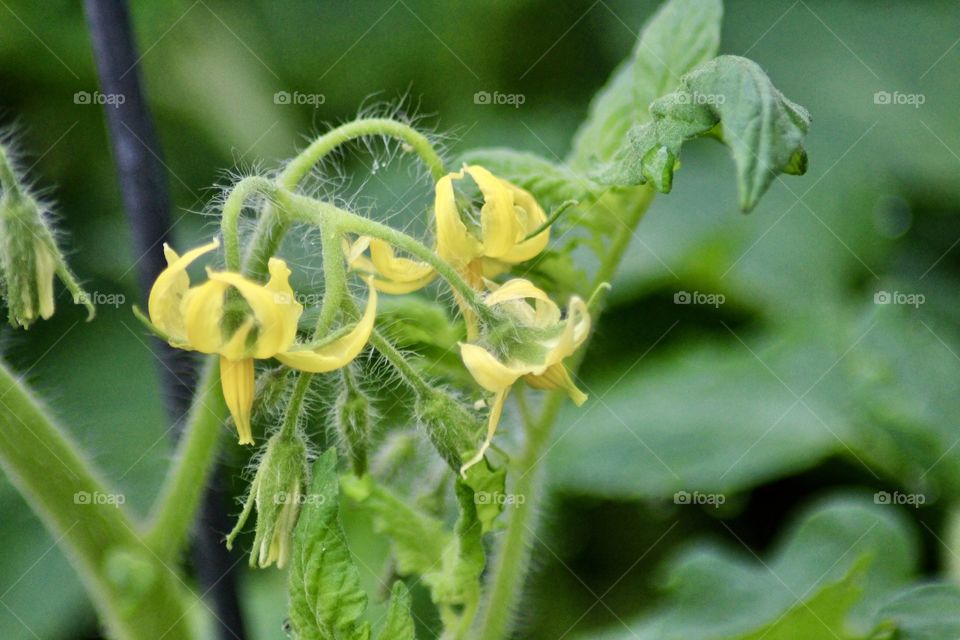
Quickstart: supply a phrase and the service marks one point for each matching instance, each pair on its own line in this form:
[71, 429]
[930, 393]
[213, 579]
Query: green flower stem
[289, 427]
[61, 486]
[513, 559]
[233, 207]
[299, 167]
[272, 228]
[9, 186]
[173, 512]
[323, 214]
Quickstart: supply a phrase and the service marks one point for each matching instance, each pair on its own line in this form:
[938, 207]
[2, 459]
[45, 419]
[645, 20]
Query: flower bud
[29, 256]
[277, 493]
[451, 426]
[353, 412]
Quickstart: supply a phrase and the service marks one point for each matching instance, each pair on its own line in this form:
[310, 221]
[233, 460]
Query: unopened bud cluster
[29, 257]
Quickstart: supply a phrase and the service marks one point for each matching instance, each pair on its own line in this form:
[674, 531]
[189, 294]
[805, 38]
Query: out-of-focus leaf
[901, 366]
[841, 560]
[326, 600]
[731, 98]
[928, 612]
[713, 418]
[399, 624]
[678, 37]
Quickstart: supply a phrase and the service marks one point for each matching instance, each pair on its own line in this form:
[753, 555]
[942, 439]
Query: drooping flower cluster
[533, 339]
[241, 320]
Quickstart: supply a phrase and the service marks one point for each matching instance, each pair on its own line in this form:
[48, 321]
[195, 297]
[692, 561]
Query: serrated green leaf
[326, 601]
[448, 564]
[730, 98]
[679, 36]
[928, 612]
[551, 184]
[487, 484]
[399, 624]
[417, 540]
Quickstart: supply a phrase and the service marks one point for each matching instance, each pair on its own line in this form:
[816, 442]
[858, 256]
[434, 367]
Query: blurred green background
[800, 392]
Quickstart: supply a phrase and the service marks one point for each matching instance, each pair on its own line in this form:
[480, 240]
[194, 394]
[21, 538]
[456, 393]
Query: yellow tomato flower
[534, 350]
[242, 320]
[508, 216]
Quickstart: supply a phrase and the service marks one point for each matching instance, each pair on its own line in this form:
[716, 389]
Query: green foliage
[928, 612]
[326, 600]
[448, 563]
[680, 36]
[827, 578]
[399, 624]
[733, 99]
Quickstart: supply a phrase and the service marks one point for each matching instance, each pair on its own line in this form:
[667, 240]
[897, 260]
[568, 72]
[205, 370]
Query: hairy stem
[272, 228]
[232, 209]
[513, 558]
[74, 503]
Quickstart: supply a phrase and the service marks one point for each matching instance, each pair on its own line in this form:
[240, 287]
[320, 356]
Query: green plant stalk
[272, 228]
[513, 558]
[175, 508]
[61, 487]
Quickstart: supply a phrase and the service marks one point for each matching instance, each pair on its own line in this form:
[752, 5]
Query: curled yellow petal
[575, 332]
[275, 311]
[493, 420]
[543, 314]
[557, 377]
[490, 373]
[202, 313]
[455, 243]
[342, 350]
[391, 274]
[169, 288]
[236, 379]
[530, 217]
[500, 228]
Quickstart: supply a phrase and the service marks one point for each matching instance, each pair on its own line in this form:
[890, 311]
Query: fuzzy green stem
[74, 503]
[324, 215]
[289, 427]
[9, 186]
[174, 510]
[232, 208]
[272, 228]
[513, 559]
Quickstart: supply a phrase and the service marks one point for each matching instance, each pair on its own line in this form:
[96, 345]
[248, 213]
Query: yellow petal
[455, 243]
[575, 332]
[276, 314]
[490, 373]
[493, 420]
[557, 377]
[202, 313]
[544, 314]
[169, 288]
[236, 378]
[390, 267]
[500, 227]
[342, 350]
[531, 217]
